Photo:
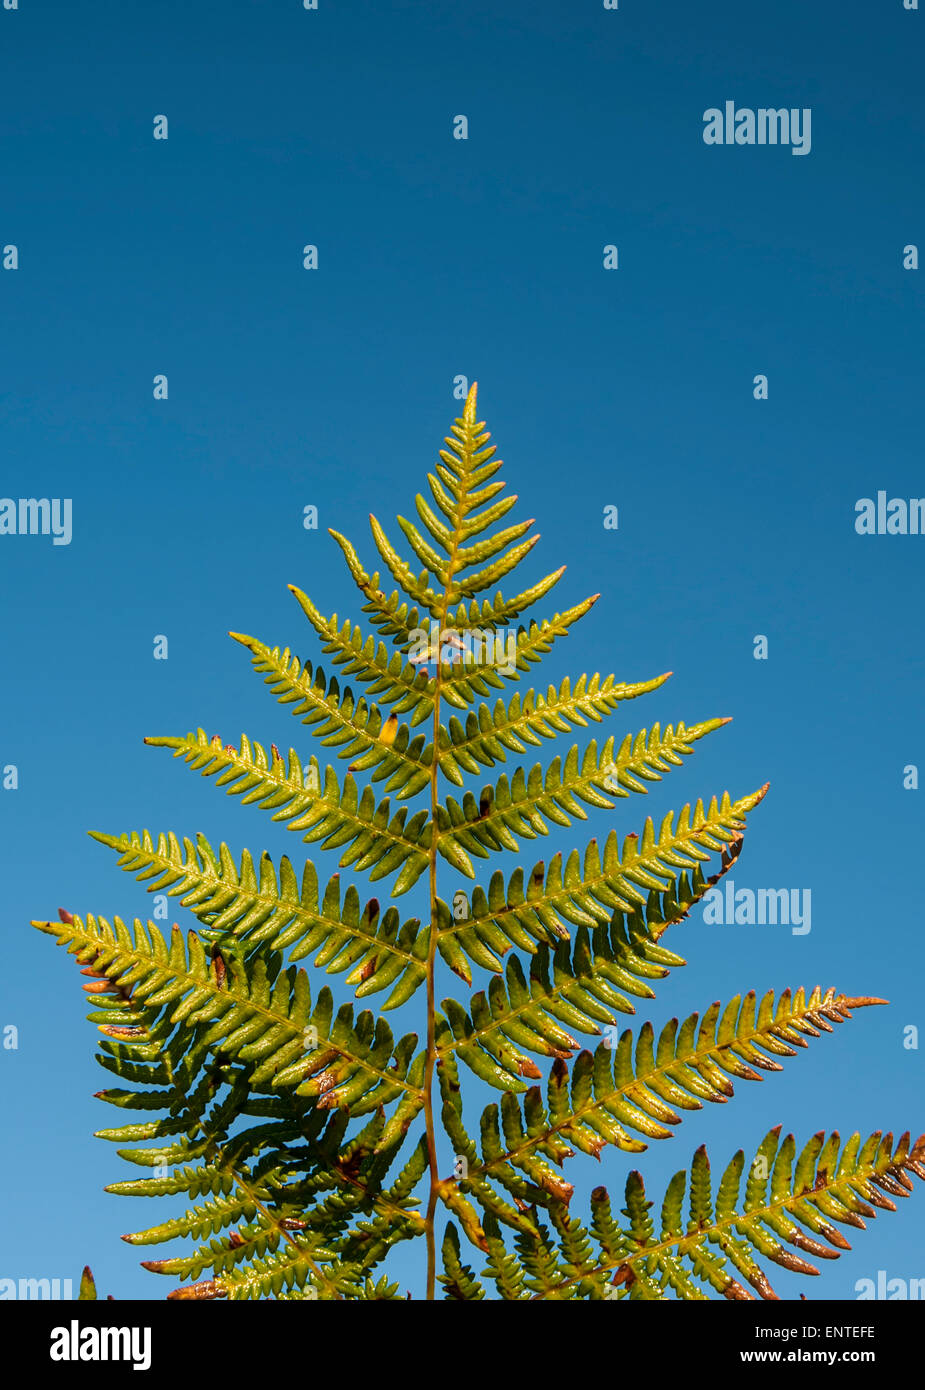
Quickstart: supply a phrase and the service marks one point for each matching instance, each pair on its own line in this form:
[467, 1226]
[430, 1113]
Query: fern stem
[431, 1062]
[433, 1197]
[431, 1022]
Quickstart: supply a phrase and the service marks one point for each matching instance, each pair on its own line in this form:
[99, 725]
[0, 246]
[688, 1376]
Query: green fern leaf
[269, 909]
[336, 817]
[304, 1139]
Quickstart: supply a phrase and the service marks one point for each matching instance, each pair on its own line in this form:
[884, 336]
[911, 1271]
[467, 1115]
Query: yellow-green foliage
[305, 1135]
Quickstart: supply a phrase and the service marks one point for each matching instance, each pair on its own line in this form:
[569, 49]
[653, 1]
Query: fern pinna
[303, 1133]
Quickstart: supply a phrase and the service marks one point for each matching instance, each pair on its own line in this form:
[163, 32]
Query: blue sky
[482, 258]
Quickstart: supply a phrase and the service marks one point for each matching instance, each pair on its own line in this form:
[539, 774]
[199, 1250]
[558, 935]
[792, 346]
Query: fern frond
[394, 618]
[465, 556]
[464, 680]
[502, 611]
[334, 816]
[636, 1083]
[284, 1122]
[357, 729]
[465, 677]
[254, 1014]
[529, 801]
[491, 574]
[266, 909]
[518, 1017]
[302, 1262]
[788, 1200]
[588, 891]
[466, 464]
[533, 717]
[589, 894]
[624, 943]
[267, 1182]
[395, 680]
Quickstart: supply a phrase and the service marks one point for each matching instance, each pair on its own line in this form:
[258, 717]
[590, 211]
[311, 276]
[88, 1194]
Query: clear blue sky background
[483, 258]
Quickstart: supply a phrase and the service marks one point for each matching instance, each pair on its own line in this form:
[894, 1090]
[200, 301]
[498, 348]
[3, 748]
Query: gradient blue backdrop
[482, 258]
